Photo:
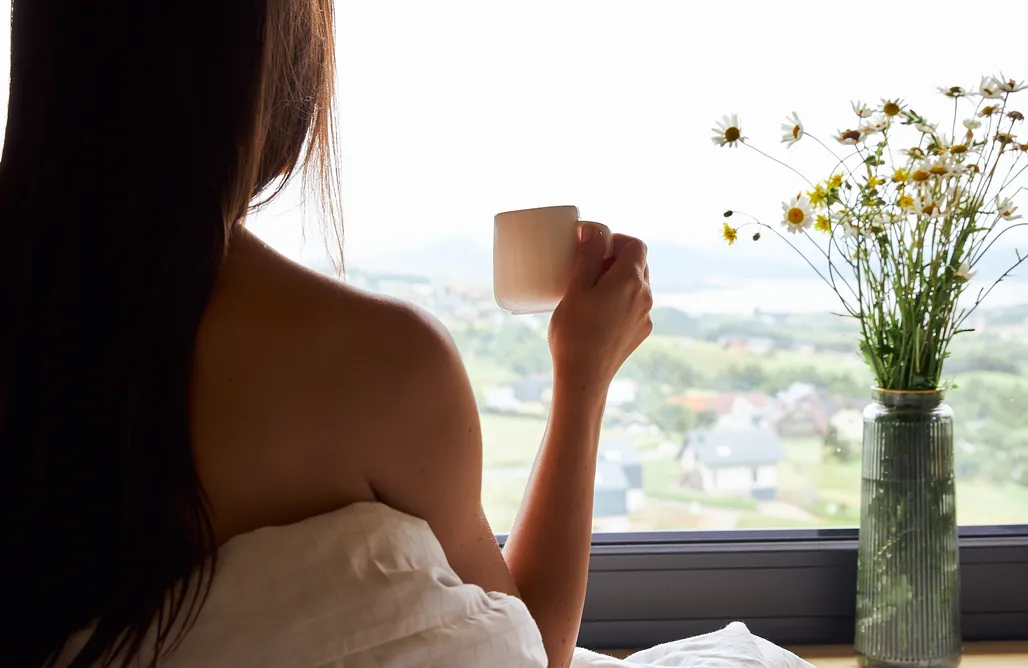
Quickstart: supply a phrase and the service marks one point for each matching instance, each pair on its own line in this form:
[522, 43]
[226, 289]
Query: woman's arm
[600, 322]
[430, 462]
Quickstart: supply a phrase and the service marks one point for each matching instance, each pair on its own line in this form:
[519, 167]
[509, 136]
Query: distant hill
[673, 267]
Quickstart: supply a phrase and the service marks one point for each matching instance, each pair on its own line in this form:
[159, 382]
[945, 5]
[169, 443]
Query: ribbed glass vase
[908, 578]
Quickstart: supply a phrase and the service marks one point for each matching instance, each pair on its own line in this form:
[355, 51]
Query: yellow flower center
[891, 109]
[938, 169]
[823, 224]
[958, 149]
[988, 111]
[836, 180]
[901, 175]
[732, 134]
[874, 182]
[930, 208]
[920, 175]
[906, 202]
[795, 132]
[795, 216]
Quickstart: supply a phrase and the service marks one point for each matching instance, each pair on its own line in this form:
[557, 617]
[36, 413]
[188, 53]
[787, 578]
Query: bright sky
[453, 110]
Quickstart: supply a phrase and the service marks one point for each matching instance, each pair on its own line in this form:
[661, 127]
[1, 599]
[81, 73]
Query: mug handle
[608, 240]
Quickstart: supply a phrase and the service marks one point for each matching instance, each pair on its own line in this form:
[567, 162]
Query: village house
[732, 461]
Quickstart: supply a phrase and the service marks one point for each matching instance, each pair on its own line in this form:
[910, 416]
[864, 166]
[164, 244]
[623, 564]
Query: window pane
[453, 111]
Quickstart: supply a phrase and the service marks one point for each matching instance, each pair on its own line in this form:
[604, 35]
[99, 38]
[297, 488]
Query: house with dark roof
[740, 461]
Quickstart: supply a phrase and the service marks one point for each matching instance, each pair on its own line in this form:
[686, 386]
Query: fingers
[629, 259]
[589, 260]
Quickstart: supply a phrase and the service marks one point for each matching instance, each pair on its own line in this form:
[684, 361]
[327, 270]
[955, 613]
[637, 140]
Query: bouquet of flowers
[903, 218]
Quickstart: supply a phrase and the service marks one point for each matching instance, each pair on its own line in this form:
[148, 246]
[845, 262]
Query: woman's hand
[605, 313]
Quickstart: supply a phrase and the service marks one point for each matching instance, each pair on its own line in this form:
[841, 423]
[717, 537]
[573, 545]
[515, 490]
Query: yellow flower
[835, 181]
[907, 203]
[818, 196]
[901, 175]
[729, 233]
[874, 182]
[823, 224]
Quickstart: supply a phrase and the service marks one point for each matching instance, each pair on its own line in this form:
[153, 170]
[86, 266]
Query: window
[728, 483]
[729, 475]
[453, 111]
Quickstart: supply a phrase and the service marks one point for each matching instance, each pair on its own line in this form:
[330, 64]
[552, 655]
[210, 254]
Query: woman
[168, 383]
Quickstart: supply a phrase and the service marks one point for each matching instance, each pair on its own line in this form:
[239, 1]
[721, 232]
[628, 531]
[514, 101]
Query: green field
[835, 486]
[815, 490]
[510, 442]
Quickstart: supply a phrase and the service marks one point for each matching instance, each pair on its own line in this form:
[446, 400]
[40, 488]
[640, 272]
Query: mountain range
[673, 267]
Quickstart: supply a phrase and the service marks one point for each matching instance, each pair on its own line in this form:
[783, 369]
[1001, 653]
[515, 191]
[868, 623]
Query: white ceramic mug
[534, 256]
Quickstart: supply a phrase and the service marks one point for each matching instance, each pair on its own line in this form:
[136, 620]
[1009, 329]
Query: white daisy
[991, 88]
[964, 272]
[877, 224]
[727, 132]
[927, 128]
[1010, 85]
[1006, 209]
[875, 124]
[849, 137]
[861, 109]
[797, 215]
[928, 206]
[844, 220]
[941, 166]
[972, 124]
[953, 91]
[793, 129]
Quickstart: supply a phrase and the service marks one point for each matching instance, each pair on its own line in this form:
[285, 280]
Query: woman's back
[168, 383]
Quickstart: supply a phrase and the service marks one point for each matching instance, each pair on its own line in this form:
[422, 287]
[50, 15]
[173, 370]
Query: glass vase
[908, 578]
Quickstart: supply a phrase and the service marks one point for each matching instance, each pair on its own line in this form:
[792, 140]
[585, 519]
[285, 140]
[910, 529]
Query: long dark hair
[137, 138]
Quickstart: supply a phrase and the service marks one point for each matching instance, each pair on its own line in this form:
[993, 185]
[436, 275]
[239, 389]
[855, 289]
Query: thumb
[589, 259]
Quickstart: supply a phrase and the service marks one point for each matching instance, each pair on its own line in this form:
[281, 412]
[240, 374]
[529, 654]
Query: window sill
[791, 589]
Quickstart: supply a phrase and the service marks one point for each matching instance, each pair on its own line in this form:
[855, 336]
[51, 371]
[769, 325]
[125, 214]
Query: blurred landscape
[744, 418]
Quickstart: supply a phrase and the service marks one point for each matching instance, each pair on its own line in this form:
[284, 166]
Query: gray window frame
[793, 587]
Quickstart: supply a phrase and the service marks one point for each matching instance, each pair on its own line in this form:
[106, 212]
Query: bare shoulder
[326, 395]
[316, 394]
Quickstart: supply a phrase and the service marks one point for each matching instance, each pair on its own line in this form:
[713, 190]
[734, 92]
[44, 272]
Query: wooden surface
[976, 655]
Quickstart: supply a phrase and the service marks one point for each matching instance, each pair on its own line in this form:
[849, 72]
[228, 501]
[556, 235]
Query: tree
[674, 419]
[670, 418]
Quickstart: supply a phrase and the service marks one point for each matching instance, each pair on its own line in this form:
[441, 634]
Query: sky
[454, 110]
